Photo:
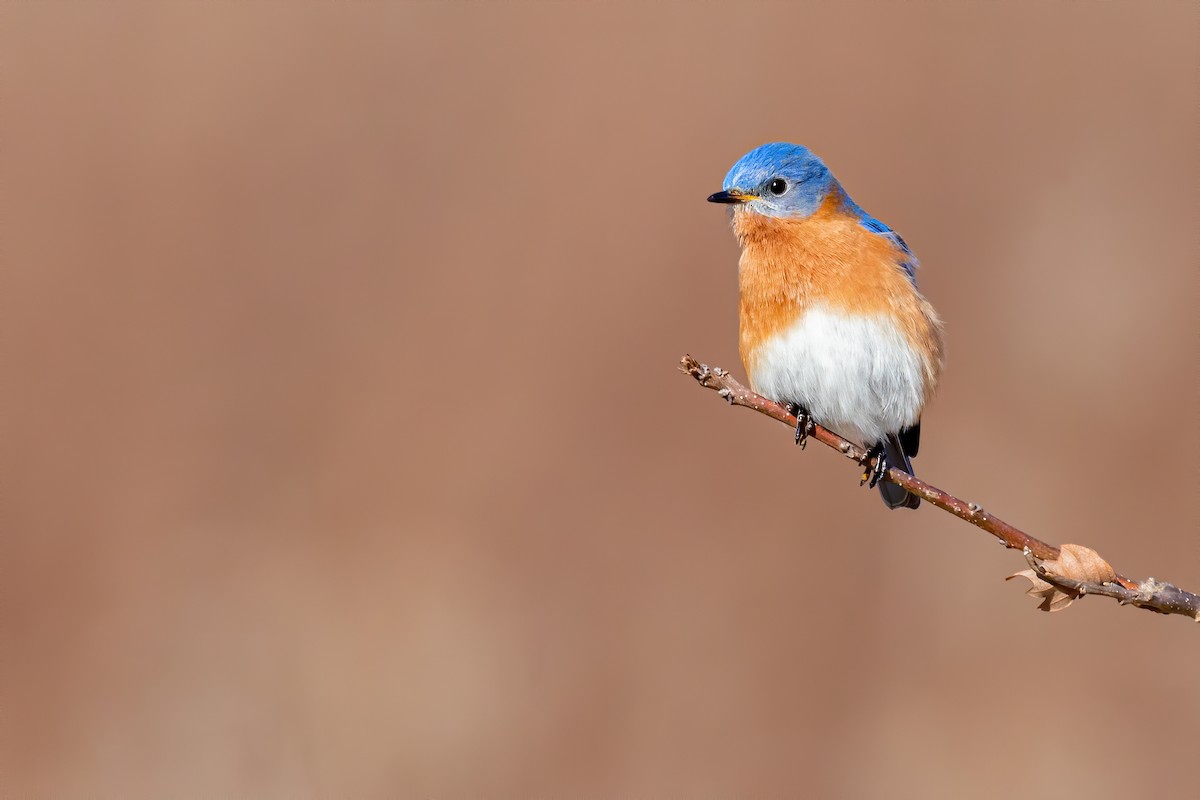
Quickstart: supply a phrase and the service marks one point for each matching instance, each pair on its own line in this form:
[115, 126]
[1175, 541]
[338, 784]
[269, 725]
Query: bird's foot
[804, 423]
[873, 471]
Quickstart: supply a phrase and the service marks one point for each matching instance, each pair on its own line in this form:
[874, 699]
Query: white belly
[856, 375]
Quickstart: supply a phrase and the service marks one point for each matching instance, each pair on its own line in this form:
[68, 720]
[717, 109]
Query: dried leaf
[1053, 598]
[1076, 563]
[1081, 563]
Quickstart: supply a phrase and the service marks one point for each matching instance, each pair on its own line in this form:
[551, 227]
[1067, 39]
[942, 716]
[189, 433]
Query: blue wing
[910, 262]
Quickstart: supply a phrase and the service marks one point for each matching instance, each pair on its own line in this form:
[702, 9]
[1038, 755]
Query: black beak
[730, 198]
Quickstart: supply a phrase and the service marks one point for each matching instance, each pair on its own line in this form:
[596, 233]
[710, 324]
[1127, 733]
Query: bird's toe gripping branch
[804, 423]
[873, 471]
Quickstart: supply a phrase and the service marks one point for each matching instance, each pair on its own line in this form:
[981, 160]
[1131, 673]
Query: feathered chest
[827, 261]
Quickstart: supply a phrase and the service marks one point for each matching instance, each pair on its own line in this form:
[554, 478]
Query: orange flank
[827, 259]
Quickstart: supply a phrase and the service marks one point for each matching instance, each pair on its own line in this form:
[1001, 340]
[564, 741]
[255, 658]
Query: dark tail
[894, 446]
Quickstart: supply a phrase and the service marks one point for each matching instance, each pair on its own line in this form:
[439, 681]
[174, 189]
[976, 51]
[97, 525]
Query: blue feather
[875, 226]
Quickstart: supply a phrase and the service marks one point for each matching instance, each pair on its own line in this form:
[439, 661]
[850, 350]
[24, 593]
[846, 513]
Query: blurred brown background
[347, 457]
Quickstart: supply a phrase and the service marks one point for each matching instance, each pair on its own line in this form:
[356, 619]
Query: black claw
[804, 423]
[873, 472]
[881, 467]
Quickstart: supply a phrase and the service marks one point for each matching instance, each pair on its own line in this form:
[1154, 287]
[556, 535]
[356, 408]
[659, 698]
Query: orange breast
[827, 259]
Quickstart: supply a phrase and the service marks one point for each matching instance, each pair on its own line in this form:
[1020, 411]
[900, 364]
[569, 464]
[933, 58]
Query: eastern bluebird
[831, 320]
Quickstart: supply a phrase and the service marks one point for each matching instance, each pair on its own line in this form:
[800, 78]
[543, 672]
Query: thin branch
[1150, 594]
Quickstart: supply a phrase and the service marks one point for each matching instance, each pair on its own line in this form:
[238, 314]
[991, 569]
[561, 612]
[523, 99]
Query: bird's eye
[777, 186]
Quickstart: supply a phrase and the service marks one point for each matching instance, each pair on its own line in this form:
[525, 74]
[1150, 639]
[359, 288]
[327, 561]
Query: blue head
[786, 180]
[778, 180]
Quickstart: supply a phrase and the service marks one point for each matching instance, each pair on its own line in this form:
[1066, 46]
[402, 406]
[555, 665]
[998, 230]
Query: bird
[831, 322]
